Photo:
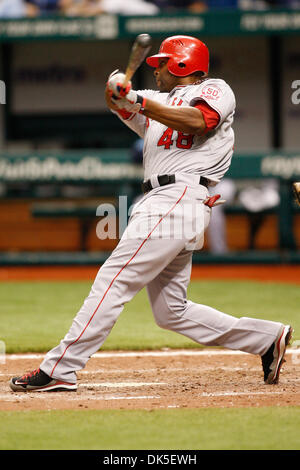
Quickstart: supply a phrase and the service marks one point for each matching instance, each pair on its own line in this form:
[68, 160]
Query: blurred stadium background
[63, 153]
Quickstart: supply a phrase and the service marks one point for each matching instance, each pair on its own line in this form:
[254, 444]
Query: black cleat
[38, 381]
[273, 359]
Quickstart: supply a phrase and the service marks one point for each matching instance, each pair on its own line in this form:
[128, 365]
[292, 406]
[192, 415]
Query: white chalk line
[167, 370]
[45, 396]
[106, 355]
[233, 394]
[91, 386]
[42, 395]
[120, 384]
[127, 371]
[155, 371]
[171, 369]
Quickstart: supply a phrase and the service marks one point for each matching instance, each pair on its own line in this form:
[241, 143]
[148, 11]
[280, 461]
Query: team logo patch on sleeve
[211, 92]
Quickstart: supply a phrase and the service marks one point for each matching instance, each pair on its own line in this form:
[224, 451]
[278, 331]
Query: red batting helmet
[186, 55]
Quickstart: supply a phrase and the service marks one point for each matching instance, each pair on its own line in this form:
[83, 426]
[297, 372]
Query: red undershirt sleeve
[211, 117]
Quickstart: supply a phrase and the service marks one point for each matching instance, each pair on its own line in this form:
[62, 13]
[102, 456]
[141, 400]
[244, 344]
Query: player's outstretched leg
[144, 250]
[210, 327]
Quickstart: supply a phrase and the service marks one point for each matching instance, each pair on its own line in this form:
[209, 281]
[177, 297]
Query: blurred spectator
[216, 232]
[267, 4]
[137, 152]
[96, 7]
[260, 196]
[134, 7]
[49, 7]
[253, 5]
[294, 4]
[255, 197]
[17, 9]
[222, 4]
[285, 3]
[195, 6]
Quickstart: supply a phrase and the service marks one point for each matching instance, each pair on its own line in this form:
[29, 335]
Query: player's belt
[163, 180]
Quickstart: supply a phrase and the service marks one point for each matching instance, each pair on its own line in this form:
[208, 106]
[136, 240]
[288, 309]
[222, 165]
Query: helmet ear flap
[171, 65]
[178, 66]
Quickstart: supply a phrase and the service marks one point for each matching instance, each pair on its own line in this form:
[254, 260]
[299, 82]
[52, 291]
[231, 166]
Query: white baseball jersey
[167, 151]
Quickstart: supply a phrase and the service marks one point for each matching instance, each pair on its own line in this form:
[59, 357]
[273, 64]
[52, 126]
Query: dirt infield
[160, 380]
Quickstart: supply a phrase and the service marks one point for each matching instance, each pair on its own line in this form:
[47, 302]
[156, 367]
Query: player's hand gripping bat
[119, 83]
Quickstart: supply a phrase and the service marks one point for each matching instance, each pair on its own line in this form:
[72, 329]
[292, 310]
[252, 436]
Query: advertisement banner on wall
[63, 77]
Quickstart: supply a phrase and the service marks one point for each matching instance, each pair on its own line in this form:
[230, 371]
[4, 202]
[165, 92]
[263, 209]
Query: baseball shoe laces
[39, 381]
[273, 359]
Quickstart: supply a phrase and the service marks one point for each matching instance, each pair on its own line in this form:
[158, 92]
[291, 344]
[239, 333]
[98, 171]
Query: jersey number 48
[183, 141]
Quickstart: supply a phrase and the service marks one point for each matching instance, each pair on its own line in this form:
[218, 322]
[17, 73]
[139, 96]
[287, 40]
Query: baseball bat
[140, 49]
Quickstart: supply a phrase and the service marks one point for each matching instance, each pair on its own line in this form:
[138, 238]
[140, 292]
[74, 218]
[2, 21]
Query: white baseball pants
[156, 251]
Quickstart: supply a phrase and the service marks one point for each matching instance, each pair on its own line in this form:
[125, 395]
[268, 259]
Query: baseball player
[188, 146]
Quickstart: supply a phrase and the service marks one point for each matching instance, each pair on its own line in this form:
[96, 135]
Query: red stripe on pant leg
[126, 264]
[278, 343]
